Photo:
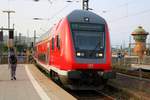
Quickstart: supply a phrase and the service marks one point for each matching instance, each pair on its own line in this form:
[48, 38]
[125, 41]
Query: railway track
[134, 86]
[111, 92]
[137, 77]
[108, 93]
[145, 74]
[86, 95]
[91, 95]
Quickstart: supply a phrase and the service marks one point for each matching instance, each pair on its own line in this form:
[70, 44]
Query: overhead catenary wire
[55, 15]
[130, 15]
[127, 9]
[117, 7]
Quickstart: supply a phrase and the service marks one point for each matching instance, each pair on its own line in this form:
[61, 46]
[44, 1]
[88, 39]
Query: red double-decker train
[76, 51]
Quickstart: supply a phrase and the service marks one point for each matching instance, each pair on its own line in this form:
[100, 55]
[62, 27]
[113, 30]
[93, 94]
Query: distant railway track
[133, 86]
[134, 76]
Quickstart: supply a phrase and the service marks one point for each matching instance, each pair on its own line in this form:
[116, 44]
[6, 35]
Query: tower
[140, 36]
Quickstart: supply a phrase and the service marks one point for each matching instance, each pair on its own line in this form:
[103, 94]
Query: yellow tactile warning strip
[53, 91]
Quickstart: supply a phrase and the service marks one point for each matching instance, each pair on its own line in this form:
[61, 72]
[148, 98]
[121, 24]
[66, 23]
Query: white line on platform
[37, 87]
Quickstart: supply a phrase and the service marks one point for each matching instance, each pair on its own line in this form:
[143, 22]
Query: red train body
[77, 49]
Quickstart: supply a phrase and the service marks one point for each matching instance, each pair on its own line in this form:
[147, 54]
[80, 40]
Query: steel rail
[134, 77]
[106, 95]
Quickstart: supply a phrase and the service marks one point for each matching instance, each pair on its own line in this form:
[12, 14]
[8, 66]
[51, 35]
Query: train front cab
[90, 49]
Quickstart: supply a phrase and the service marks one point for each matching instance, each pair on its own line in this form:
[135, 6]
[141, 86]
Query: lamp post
[11, 31]
[8, 12]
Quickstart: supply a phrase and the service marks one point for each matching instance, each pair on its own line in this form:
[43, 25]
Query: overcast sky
[122, 16]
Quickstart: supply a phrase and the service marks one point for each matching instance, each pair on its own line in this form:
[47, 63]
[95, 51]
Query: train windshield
[88, 36]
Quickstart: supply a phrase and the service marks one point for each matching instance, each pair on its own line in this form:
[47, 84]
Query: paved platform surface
[20, 89]
[142, 66]
[31, 84]
[53, 91]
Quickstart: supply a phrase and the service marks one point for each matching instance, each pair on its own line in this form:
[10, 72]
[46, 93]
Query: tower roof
[139, 31]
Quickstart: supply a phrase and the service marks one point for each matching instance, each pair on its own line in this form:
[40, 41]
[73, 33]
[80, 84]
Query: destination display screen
[87, 27]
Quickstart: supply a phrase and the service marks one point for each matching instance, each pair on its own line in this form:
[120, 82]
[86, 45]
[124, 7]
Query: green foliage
[21, 48]
[3, 48]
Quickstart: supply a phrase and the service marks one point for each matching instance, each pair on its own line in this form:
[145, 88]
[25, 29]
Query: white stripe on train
[50, 67]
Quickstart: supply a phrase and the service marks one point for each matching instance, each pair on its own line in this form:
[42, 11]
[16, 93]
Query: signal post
[10, 42]
[11, 36]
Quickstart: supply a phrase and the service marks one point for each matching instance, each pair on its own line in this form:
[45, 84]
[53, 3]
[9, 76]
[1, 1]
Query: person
[12, 61]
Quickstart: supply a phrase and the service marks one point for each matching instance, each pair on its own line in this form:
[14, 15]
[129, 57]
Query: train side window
[52, 43]
[58, 42]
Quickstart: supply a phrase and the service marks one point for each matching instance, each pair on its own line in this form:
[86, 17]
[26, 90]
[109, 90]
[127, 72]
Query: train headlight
[99, 54]
[80, 54]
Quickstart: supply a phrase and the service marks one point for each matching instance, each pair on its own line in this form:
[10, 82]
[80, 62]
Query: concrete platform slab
[20, 89]
[53, 91]
[31, 84]
[142, 66]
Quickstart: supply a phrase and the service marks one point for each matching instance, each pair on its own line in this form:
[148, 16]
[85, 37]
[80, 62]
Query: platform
[29, 85]
[20, 89]
[140, 66]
